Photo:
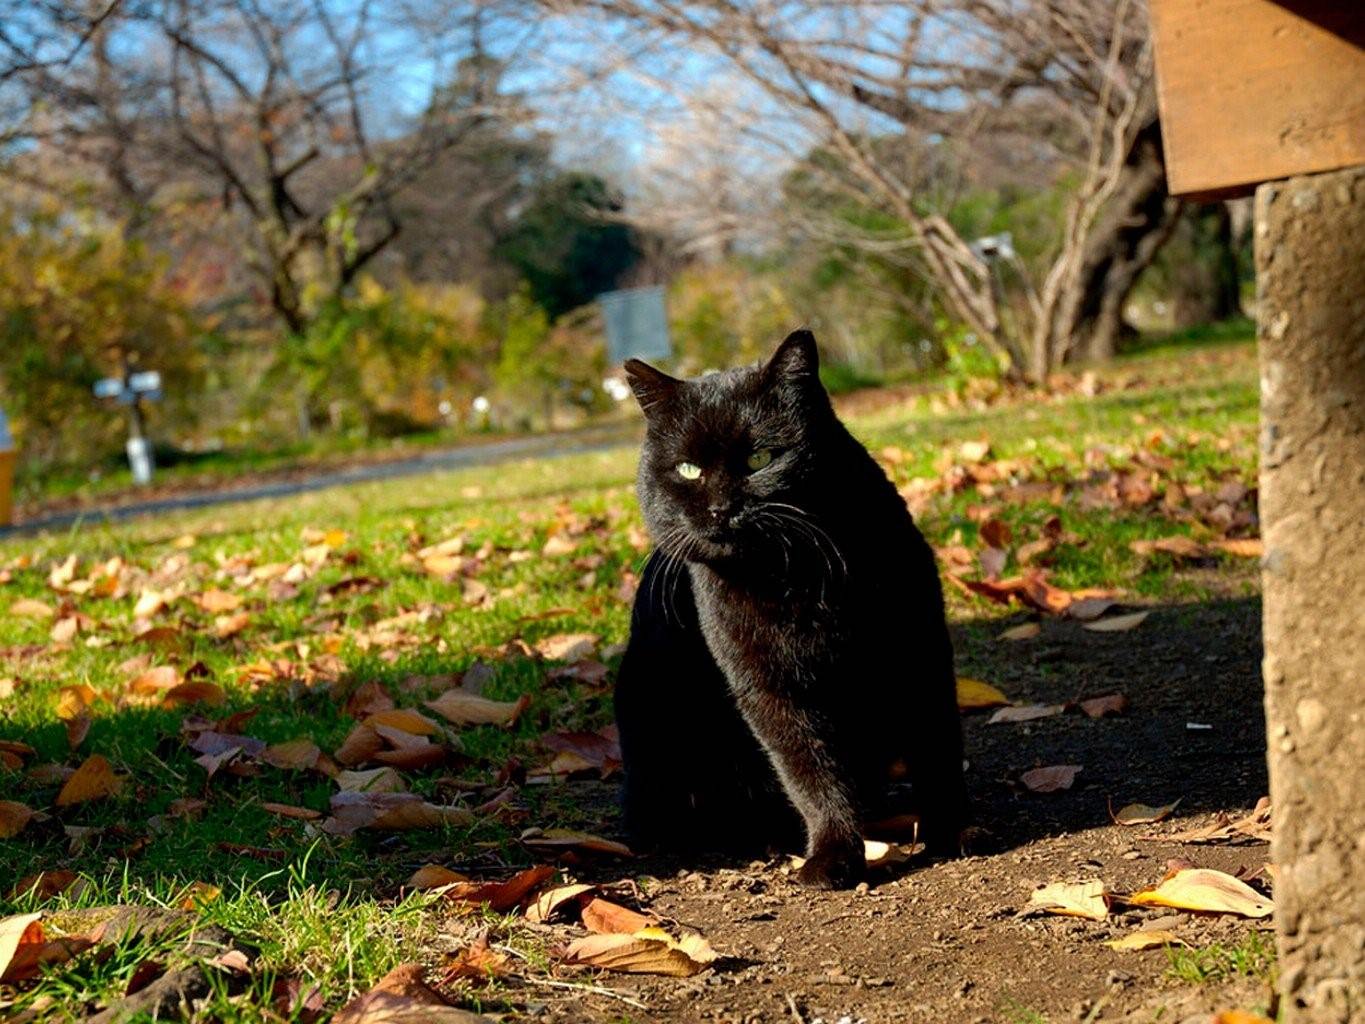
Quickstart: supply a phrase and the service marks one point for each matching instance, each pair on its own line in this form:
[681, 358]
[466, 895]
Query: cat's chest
[748, 629]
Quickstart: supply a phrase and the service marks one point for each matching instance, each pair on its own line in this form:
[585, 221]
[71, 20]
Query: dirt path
[946, 943]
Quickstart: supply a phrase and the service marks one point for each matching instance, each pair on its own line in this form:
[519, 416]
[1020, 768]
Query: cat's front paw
[833, 867]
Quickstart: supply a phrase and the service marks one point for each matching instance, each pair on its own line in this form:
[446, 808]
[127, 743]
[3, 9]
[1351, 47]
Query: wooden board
[1253, 90]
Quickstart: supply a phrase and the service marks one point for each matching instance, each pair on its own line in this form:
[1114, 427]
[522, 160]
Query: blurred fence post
[1310, 267]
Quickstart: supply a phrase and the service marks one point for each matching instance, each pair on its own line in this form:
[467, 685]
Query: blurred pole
[1310, 274]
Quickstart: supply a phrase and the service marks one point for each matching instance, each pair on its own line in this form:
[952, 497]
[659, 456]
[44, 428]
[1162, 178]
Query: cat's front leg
[799, 743]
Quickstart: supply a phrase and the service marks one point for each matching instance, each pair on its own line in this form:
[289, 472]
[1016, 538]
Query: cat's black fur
[788, 656]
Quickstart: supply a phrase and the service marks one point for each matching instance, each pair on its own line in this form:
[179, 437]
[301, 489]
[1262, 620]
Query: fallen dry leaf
[45, 884]
[93, 780]
[13, 817]
[405, 719]
[1247, 547]
[389, 812]
[1240, 1017]
[402, 997]
[218, 602]
[1135, 942]
[360, 745]
[1143, 814]
[25, 948]
[197, 692]
[649, 951]
[551, 839]
[973, 694]
[1117, 623]
[1050, 779]
[568, 647]
[77, 729]
[1107, 704]
[604, 917]
[433, 876]
[504, 896]
[225, 627]
[1023, 631]
[291, 811]
[1207, 890]
[375, 780]
[29, 608]
[464, 708]
[1026, 713]
[1072, 899]
[296, 754]
[549, 902]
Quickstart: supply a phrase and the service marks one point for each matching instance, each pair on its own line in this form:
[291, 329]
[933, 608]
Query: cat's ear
[796, 359]
[652, 387]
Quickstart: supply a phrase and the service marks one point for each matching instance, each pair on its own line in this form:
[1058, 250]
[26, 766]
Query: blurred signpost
[132, 389]
[1272, 94]
[636, 321]
[7, 458]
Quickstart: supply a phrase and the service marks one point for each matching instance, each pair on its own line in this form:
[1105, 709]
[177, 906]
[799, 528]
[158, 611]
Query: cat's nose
[720, 510]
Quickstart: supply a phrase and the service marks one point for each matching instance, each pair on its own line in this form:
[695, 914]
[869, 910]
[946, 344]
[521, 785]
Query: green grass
[330, 912]
[1251, 957]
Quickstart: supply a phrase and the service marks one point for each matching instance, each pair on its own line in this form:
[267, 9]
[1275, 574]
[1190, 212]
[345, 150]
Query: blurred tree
[570, 244]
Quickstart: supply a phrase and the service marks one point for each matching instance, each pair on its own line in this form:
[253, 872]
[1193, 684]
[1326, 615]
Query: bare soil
[947, 942]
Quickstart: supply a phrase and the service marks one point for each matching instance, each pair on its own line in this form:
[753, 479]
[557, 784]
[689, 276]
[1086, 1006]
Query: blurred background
[339, 226]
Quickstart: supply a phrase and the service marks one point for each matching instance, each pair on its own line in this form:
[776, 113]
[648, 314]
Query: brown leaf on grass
[650, 951]
[153, 683]
[1072, 899]
[197, 692]
[44, 885]
[476, 961]
[389, 812]
[225, 627]
[413, 756]
[1179, 547]
[218, 602]
[186, 807]
[568, 647]
[359, 746]
[1117, 623]
[1136, 942]
[30, 608]
[993, 562]
[376, 780]
[296, 755]
[607, 918]
[64, 630]
[1025, 713]
[402, 997]
[1107, 704]
[14, 816]
[73, 700]
[559, 545]
[1205, 890]
[553, 839]
[996, 533]
[291, 811]
[25, 948]
[405, 719]
[77, 729]
[1038, 593]
[368, 699]
[1143, 814]
[973, 694]
[464, 708]
[504, 896]
[93, 780]
[548, 903]
[433, 876]
[1023, 631]
[1050, 779]
[600, 750]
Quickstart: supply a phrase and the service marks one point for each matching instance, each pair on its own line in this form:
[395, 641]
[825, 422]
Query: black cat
[788, 658]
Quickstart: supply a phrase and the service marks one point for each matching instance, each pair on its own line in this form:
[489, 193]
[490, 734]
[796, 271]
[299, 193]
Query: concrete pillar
[1310, 269]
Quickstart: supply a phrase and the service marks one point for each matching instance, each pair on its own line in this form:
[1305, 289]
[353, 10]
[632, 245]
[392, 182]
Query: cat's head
[729, 455]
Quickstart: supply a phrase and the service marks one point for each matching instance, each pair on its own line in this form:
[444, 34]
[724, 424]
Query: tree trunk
[1127, 237]
[1205, 288]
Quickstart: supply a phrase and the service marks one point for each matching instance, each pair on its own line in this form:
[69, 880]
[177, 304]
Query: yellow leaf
[1204, 889]
[93, 780]
[547, 903]
[563, 838]
[219, 601]
[1240, 1017]
[73, 700]
[1072, 899]
[149, 602]
[1136, 942]
[650, 951]
[199, 894]
[973, 693]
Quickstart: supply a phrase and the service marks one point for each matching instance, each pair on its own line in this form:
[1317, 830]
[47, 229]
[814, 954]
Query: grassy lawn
[288, 620]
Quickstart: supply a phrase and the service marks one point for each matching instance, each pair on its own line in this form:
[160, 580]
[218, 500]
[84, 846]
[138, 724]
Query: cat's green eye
[689, 471]
[760, 458]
